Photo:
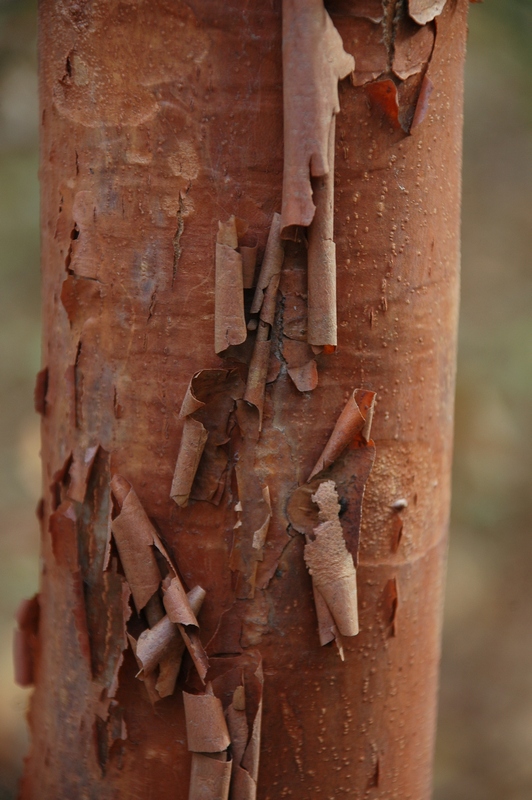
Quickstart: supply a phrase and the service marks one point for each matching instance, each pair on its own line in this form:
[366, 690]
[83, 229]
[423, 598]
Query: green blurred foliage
[485, 726]
[19, 358]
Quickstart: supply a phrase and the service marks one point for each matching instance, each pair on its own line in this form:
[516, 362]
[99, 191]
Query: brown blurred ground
[484, 749]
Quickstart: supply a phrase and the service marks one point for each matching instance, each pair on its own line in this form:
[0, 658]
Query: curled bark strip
[206, 385]
[206, 727]
[209, 777]
[229, 321]
[321, 323]
[258, 370]
[327, 630]
[177, 603]
[239, 682]
[244, 748]
[271, 265]
[330, 563]
[355, 419]
[135, 537]
[423, 11]
[177, 606]
[193, 440]
[350, 472]
[163, 646]
[264, 302]
[201, 462]
[314, 60]
[153, 645]
[25, 641]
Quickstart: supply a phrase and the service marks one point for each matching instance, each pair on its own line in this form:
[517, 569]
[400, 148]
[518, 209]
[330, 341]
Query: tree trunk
[161, 119]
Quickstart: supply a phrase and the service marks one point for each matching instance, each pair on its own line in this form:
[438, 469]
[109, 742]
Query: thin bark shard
[271, 265]
[229, 321]
[321, 259]
[355, 419]
[193, 440]
[177, 606]
[258, 370]
[264, 304]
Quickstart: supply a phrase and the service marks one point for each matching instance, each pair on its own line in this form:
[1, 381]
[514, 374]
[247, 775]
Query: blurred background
[484, 746]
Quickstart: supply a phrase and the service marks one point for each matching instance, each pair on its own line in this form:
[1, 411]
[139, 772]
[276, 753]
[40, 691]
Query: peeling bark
[146, 146]
[423, 11]
[330, 563]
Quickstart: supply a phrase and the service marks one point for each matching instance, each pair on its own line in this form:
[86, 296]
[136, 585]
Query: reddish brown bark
[160, 119]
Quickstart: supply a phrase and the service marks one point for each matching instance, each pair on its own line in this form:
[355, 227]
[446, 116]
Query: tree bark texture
[161, 118]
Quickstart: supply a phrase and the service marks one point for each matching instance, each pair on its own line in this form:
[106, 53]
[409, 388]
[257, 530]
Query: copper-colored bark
[158, 120]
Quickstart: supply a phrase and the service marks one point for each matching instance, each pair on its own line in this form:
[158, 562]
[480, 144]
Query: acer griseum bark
[206, 421]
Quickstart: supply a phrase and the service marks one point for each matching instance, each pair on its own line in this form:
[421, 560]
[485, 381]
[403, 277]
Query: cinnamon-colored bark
[159, 119]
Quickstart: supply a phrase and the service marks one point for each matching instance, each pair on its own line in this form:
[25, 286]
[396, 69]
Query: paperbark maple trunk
[159, 119]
